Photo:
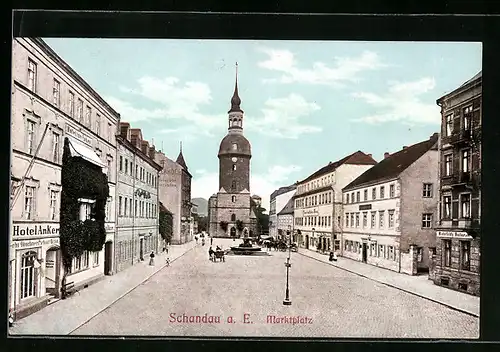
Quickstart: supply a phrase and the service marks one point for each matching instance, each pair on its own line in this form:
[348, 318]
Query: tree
[239, 225]
[262, 220]
[202, 223]
[165, 224]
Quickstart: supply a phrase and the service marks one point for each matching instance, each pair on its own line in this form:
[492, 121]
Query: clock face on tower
[234, 159]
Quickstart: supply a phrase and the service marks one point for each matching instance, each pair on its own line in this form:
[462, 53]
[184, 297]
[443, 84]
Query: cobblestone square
[195, 297]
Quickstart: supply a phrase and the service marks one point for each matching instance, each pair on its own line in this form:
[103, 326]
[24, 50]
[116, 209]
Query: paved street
[326, 301]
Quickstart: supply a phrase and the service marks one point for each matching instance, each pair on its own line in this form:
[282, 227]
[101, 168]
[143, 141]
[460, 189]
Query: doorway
[307, 241]
[141, 248]
[365, 252]
[52, 271]
[108, 257]
[233, 232]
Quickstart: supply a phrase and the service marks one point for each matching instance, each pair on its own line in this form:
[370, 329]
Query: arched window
[28, 277]
[233, 199]
[234, 167]
[233, 186]
[233, 216]
[235, 146]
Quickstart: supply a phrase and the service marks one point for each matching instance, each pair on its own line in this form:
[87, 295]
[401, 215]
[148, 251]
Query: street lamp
[287, 301]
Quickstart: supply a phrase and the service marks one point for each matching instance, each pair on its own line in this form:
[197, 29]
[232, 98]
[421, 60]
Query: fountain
[247, 248]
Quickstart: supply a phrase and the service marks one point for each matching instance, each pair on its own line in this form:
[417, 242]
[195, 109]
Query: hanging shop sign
[365, 207]
[78, 134]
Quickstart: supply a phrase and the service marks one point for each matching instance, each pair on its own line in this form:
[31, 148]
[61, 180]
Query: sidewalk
[64, 316]
[416, 285]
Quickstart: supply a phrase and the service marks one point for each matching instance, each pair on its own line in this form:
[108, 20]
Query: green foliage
[262, 220]
[202, 223]
[81, 179]
[166, 226]
[239, 225]
[223, 225]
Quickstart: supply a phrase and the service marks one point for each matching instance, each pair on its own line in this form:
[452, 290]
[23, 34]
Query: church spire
[180, 159]
[235, 100]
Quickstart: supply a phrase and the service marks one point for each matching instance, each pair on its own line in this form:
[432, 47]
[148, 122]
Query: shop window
[447, 253]
[445, 281]
[462, 286]
[233, 217]
[465, 255]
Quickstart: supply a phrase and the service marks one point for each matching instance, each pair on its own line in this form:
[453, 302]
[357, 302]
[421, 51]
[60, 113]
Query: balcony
[460, 137]
[459, 224]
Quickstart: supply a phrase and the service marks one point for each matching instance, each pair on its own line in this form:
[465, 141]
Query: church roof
[243, 145]
[235, 100]
[180, 160]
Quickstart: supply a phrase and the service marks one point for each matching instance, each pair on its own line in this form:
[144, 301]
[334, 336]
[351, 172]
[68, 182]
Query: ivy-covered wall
[166, 226]
[81, 179]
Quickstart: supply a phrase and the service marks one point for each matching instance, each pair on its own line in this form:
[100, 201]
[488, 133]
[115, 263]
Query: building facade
[318, 202]
[390, 210]
[285, 223]
[187, 219]
[458, 232]
[137, 195]
[279, 198]
[52, 103]
[231, 211]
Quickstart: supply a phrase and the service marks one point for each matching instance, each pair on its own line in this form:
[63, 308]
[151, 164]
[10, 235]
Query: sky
[306, 103]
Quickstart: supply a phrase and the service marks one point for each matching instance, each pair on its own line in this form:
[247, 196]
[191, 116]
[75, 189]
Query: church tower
[235, 150]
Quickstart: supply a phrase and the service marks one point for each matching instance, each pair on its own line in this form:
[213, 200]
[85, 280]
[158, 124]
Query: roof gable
[394, 164]
[356, 158]
[288, 208]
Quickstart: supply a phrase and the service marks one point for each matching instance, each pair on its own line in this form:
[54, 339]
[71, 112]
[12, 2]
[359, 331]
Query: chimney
[145, 147]
[152, 152]
[386, 155]
[370, 155]
[404, 147]
[124, 126]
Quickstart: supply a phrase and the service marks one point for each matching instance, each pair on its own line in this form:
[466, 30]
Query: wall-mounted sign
[109, 227]
[365, 207]
[35, 243]
[35, 230]
[453, 234]
[311, 211]
[78, 134]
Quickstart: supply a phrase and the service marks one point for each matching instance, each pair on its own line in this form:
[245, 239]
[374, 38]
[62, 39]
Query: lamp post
[287, 301]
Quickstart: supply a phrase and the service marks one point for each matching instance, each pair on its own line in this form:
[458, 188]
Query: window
[373, 219]
[465, 205]
[365, 195]
[233, 186]
[347, 198]
[381, 218]
[55, 92]
[79, 110]
[391, 252]
[120, 206]
[447, 252]
[357, 219]
[71, 103]
[235, 146]
[382, 189]
[135, 208]
[465, 255]
[121, 163]
[449, 124]
[136, 171]
[347, 220]
[391, 219]
[467, 117]
[32, 75]
[125, 213]
[30, 137]
[381, 250]
[329, 197]
[426, 221]
[391, 191]
[56, 146]
[108, 209]
[374, 193]
[465, 160]
[447, 207]
[110, 133]
[234, 167]
[28, 277]
[447, 164]
[420, 254]
[86, 210]
[365, 219]
[233, 217]
[233, 199]
[427, 190]
[109, 169]
[352, 219]
[81, 262]
[53, 204]
[357, 196]
[98, 124]
[126, 166]
[95, 258]
[29, 202]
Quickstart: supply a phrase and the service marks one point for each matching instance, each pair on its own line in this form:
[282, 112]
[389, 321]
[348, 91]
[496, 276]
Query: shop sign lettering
[35, 243]
[34, 230]
[453, 234]
[78, 135]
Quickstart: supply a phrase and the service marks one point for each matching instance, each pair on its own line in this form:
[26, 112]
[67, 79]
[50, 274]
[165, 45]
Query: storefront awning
[78, 149]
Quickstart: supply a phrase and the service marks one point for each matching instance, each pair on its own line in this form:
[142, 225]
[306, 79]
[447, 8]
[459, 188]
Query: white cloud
[402, 103]
[176, 101]
[344, 69]
[280, 117]
[261, 184]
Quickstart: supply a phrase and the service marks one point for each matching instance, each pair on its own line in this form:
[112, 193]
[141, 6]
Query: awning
[78, 149]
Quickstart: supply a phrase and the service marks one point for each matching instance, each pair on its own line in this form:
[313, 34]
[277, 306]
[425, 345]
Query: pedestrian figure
[210, 253]
[196, 238]
[167, 261]
[152, 258]
[211, 240]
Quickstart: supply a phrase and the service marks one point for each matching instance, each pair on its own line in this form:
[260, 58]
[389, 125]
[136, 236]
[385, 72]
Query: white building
[318, 201]
[137, 194]
[285, 220]
[49, 103]
[279, 198]
[390, 210]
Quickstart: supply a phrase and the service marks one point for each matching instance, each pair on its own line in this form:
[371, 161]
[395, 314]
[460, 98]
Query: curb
[396, 287]
[128, 291]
